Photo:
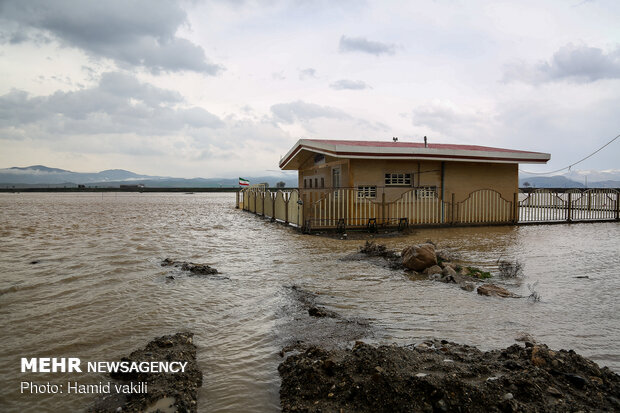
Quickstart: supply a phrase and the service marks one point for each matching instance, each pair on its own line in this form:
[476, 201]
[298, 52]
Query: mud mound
[310, 324]
[438, 376]
[166, 391]
[198, 269]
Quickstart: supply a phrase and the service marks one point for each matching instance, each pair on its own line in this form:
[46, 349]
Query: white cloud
[346, 84]
[363, 45]
[303, 111]
[126, 85]
[573, 63]
[135, 33]
[308, 73]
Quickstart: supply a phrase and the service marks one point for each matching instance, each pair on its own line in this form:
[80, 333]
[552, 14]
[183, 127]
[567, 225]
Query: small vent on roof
[395, 139]
[425, 144]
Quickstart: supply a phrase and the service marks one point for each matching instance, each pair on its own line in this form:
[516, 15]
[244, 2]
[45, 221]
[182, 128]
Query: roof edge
[466, 153]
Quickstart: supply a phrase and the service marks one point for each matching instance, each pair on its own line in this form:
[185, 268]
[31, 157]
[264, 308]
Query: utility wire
[573, 164]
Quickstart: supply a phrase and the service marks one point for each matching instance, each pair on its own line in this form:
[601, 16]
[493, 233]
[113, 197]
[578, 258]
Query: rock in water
[179, 391]
[493, 290]
[419, 257]
[200, 269]
[435, 269]
[320, 312]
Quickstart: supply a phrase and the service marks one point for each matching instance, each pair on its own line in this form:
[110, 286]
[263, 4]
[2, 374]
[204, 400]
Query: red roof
[406, 150]
[388, 144]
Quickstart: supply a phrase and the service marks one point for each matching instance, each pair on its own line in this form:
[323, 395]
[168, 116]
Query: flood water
[97, 290]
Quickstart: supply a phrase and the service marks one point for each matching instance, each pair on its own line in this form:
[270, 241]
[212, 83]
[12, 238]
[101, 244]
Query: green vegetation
[478, 273]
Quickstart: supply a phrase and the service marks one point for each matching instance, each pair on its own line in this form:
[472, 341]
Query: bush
[478, 273]
[508, 269]
[534, 295]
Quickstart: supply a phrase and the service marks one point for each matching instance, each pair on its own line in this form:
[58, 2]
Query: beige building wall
[462, 178]
[372, 172]
[310, 170]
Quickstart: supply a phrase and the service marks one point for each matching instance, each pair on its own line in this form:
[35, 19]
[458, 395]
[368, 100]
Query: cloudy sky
[224, 88]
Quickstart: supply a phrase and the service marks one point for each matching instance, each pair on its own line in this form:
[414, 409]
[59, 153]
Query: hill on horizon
[44, 176]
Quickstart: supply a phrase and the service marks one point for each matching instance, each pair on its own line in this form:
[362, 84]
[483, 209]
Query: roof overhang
[304, 148]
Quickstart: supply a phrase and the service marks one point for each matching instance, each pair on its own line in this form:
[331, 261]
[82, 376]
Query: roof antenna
[395, 139]
[425, 144]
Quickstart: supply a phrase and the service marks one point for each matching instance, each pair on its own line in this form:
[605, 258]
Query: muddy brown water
[96, 290]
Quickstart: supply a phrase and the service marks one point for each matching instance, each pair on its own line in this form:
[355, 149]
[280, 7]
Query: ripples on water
[97, 290]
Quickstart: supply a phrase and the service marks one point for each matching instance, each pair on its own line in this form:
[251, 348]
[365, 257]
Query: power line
[573, 164]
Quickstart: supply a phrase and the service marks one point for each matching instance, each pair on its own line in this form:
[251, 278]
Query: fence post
[569, 215]
[263, 196]
[453, 217]
[617, 205]
[383, 207]
[273, 205]
[237, 204]
[286, 208]
[515, 208]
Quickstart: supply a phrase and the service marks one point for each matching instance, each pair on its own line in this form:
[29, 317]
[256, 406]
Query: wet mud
[166, 391]
[311, 324]
[440, 376]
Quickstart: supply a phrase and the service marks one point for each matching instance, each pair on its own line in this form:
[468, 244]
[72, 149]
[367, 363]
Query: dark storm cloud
[303, 111]
[134, 33]
[361, 44]
[575, 63]
[345, 84]
[118, 104]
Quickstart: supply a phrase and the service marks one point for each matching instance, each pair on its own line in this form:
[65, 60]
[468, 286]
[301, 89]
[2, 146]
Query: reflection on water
[81, 278]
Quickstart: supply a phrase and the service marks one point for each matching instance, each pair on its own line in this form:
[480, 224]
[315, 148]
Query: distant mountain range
[561, 181]
[43, 176]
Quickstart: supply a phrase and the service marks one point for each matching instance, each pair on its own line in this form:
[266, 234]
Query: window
[310, 183]
[366, 191]
[426, 192]
[305, 183]
[316, 182]
[335, 178]
[398, 179]
[322, 182]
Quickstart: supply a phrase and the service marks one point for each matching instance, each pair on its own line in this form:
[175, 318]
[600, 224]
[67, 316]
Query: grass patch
[478, 273]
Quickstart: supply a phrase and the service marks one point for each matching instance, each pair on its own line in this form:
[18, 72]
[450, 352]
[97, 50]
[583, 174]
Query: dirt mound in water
[166, 391]
[439, 376]
[198, 269]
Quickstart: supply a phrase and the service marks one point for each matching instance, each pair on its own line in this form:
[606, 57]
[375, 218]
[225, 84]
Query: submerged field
[81, 276]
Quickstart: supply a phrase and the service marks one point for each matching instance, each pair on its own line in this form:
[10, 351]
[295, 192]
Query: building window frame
[398, 179]
[366, 191]
[336, 178]
[426, 192]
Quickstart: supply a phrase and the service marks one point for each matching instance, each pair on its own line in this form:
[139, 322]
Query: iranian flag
[244, 182]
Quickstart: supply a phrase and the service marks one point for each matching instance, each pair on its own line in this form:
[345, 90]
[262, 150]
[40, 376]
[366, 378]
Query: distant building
[135, 187]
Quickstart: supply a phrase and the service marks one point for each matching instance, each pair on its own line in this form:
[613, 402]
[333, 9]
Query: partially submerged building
[348, 184]
[391, 169]
[364, 183]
